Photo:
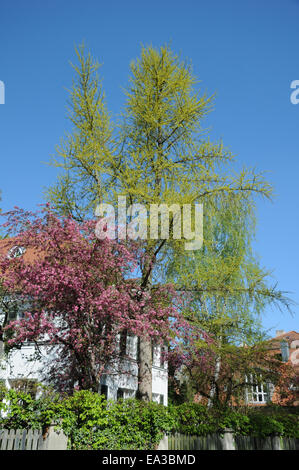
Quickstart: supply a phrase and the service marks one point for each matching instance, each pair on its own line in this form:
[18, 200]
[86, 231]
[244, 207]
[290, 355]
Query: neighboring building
[254, 389]
[22, 369]
[284, 347]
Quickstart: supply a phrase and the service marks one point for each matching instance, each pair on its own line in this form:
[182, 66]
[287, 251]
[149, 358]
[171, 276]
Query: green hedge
[91, 422]
[88, 420]
[196, 419]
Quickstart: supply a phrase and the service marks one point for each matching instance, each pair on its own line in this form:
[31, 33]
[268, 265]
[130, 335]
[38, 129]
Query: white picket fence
[32, 439]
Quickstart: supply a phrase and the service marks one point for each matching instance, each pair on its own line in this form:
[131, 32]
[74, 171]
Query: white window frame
[158, 398]
[259, 393]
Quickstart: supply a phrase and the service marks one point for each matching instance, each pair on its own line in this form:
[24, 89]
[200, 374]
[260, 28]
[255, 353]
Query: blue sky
[245, 52]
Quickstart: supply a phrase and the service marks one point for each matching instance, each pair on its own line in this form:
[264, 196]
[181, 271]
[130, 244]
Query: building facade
[284, 347]
[21, 368]
[24, 368]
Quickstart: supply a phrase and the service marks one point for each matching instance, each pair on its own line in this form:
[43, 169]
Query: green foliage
[196, 419]
[19, 410]
[91, 422]
[158, 154]
[126, 424]
[85, 155]
[283, 424]
[161, 154]
[199, 420]
[84, 409]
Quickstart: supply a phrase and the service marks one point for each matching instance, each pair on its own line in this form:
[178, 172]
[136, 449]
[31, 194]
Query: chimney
[279, 332]
[285, 351]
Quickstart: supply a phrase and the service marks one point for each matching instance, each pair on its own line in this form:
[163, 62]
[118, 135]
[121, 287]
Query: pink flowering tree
[80, 293]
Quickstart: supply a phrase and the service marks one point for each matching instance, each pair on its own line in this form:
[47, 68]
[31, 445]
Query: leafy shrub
[282, 424]
[19, 410]
[91, 422]
[126, 424]
[199, 420]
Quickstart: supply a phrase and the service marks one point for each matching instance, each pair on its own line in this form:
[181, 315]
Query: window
[3, 390]
[257, 391]
[278, 357]
[128, 345]
[125, 393]
[25, 385]
[15, 314]
[158, 398]
[104, 390]
[123, 343]
[158, 356]
[132, 346]
[2, 385]
[16, 308]
[16, 251]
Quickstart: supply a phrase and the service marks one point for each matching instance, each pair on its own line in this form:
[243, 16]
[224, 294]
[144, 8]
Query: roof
[292, 338]
[289, 336]
[292, 335]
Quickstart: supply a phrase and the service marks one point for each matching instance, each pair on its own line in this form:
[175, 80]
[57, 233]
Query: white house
[23, 365]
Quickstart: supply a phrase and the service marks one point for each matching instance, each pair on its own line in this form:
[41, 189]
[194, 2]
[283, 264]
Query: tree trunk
[145, 370]
[145, 344]
[215, 380]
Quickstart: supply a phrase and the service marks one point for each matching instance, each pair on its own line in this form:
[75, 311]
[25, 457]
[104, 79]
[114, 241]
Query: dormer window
[16, 251]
